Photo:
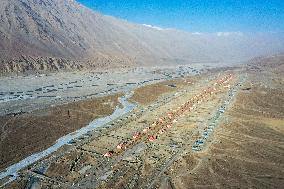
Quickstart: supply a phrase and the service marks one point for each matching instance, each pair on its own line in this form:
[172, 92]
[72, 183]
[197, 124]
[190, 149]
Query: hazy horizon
[207, 16]
[141, 94]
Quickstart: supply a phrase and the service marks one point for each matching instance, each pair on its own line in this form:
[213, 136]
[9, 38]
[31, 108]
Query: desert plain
[185, 127]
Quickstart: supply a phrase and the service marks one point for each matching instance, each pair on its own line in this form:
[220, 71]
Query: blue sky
[198, 15]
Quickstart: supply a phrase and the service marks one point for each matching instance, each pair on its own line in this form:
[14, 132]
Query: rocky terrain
[219, 129]
[54, 35]
[38, 107]
[27, 93]
[92, 101]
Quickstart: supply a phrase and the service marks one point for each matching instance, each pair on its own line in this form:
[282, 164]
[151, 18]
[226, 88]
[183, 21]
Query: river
[119, 111]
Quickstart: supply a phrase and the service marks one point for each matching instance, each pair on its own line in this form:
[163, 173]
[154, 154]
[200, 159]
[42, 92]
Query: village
[141, 94]
[90, 148]
[149, 138]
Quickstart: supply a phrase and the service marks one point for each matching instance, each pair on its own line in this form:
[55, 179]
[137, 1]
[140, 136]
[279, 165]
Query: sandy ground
[246, 151]
[36, 110]
[28, 93]
[223, 129]
[32, 132]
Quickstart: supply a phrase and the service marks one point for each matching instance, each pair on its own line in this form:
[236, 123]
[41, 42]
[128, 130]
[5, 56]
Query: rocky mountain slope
[273, 64]
[63, 34]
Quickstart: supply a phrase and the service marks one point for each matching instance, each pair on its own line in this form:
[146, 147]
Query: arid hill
[63, 34]
[272, 63]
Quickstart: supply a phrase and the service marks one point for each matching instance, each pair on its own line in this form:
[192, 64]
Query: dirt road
[207, 131]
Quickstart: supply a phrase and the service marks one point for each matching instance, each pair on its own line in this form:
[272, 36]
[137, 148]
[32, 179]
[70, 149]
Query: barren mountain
[63, 34]
[273, 64]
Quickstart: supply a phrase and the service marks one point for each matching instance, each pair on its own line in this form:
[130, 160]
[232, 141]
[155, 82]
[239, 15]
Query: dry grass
[28, 133]
[247, 151]
[148, 94]
[68, 167]
[16, 184]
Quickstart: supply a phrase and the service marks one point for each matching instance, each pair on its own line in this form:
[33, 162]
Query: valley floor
[220, 129]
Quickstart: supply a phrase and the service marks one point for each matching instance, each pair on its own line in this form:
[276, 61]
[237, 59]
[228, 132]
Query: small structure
[108, 154]
[121, 146]
[152, 138]
[136, 135]
[161, 131]
[169, 126]
[161, 120]
[145, 130]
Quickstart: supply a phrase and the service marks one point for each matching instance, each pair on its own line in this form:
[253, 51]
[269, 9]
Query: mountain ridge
[52, 35]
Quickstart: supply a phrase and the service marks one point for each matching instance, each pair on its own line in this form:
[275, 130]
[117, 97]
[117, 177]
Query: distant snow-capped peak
[226, 34]
[153, 27]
